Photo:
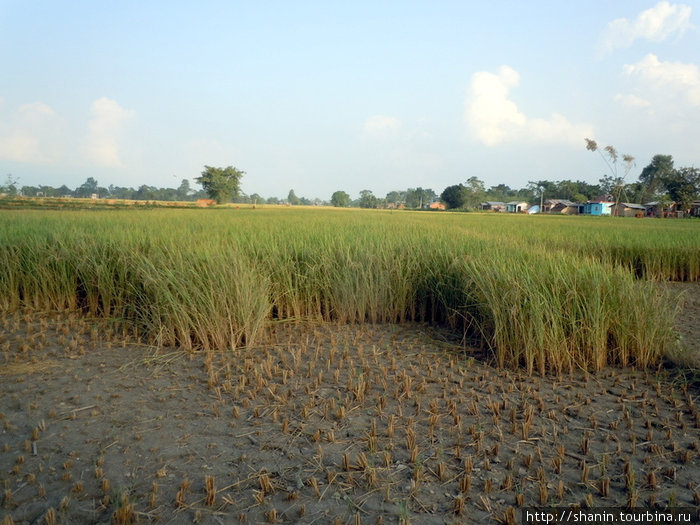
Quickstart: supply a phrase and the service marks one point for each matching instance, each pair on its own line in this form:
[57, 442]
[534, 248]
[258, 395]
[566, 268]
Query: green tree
[48, 191]
[184, 190]
[419, 197]
[87, 188]
[546, 187]
[340, 199]
[256, 198]
[454, 196]
[293, 199]
[541, 188]
[30, 191]
[500, 193]
[367, 199]
[395, 197]
[474, 192]
[634, 192]
[607, 184]
[221, 184]
[590, 191]
[119, 192]
[146, 193]
[652, 176]
[10, 186]
[566, 189]
[64, 191]
[683, 186]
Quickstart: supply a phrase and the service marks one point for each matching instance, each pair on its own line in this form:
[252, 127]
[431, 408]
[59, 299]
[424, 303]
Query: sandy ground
[325, 424]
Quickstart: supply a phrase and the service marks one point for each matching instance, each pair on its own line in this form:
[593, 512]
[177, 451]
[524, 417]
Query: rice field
[549, 294]
[339, 366]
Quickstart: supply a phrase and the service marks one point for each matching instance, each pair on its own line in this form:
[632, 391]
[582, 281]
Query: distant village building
[628, 209]
[659, 209]
[561, 206]
[597, 207]
[493, 206]
[517, 206]
[695, 209]
[437, 206]
[653, 209]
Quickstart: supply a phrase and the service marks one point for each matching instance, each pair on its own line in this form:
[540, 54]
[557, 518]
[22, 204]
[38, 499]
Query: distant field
[546, 293]
[83, 203]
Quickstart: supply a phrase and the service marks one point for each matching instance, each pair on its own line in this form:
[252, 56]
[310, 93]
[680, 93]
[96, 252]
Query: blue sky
[330, 95]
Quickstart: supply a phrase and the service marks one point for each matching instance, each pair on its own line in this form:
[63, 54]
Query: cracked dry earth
[323, 424]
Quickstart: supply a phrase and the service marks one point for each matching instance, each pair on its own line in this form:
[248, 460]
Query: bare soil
[325, 424]
[687, 297]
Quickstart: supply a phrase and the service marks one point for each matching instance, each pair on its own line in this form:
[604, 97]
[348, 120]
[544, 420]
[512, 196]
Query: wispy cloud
[633, 101]
[31, 134]
[674, 81]
[102, 145]
[381, 126]
[494, 119]
[655, 24]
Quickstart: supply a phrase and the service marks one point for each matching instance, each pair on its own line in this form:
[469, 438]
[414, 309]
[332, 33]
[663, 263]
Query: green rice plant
[551, 313]
[550, 294]
[208, 301]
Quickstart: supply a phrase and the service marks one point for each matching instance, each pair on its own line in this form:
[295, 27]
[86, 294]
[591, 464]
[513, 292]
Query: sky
[320, 96]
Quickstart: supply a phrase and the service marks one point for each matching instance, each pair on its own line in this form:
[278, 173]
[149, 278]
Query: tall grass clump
[557, 313]
[544, 293]
[35, 274]
[200, 300]
[369, 283]
[351, 276]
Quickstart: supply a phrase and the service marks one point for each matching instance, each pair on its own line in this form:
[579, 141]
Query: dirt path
[323, 424]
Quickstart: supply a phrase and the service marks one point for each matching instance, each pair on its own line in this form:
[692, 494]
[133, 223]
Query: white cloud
[632, 101]
[655, 24]
[381, 126]
[493, 118]
[674, 80]
[105, 128]
[31, 134]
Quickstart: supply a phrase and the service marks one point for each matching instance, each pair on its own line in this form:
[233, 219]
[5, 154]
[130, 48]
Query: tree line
[659, 181]
[184, 192]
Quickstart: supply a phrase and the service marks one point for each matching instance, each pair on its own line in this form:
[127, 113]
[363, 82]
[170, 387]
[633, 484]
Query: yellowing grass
[546, 293]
